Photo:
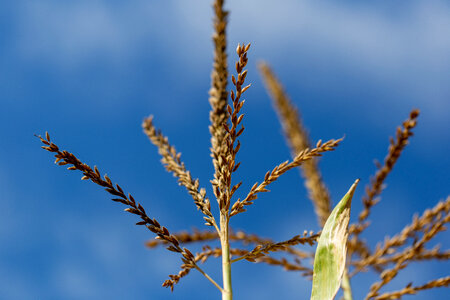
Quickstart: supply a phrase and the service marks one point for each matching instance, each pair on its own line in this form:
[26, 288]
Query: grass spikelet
[298, 140]
[271, 176]
[218, 94]
[395, 149]
[171, 160]
[334, 266]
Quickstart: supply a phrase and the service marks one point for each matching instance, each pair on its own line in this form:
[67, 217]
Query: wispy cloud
[403, 45]
[365, 33]
[109, 251]
[70, 33]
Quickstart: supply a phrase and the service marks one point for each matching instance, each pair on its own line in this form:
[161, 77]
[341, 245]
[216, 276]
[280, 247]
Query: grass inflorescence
[387, 259]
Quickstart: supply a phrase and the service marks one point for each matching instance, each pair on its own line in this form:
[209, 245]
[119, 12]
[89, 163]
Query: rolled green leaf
[331, 252]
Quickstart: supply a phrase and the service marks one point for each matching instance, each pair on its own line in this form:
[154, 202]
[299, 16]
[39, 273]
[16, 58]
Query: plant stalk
[209, 278]
[346, 287]
[227, 292]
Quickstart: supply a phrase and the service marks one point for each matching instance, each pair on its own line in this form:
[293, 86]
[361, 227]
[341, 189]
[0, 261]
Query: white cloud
[405, 45]
[78, 32]
[418, 30]
[421, 30]
[76, 282]
[93, 254]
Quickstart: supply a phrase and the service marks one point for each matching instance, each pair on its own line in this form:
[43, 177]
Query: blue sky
[90, 71]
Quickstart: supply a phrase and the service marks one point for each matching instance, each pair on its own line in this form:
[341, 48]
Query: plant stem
[346, 287]
[239, 258]
[209, 278]
[244, 256]
[227, 292]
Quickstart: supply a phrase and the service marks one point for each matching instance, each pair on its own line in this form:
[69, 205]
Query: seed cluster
[226, 128]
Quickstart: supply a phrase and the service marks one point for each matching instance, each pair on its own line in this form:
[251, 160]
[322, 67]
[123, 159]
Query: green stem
[209, 278]
[227, 292]
[346, 287]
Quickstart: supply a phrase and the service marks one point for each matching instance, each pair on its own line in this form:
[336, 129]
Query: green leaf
[331, 252]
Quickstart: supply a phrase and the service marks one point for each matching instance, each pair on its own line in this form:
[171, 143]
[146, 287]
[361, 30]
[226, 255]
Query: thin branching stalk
[388, 275]
[66, 158]
[262, 250]
[388, 258]
[425, 254]
[207, 235]
[218, 94]
[412, 290]
[171, 160]
[223, 187]
[271, 176]
[298, 140]
[287, 265]
[210, 279]
[419, 225]
[195, 236]
[377, 182]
